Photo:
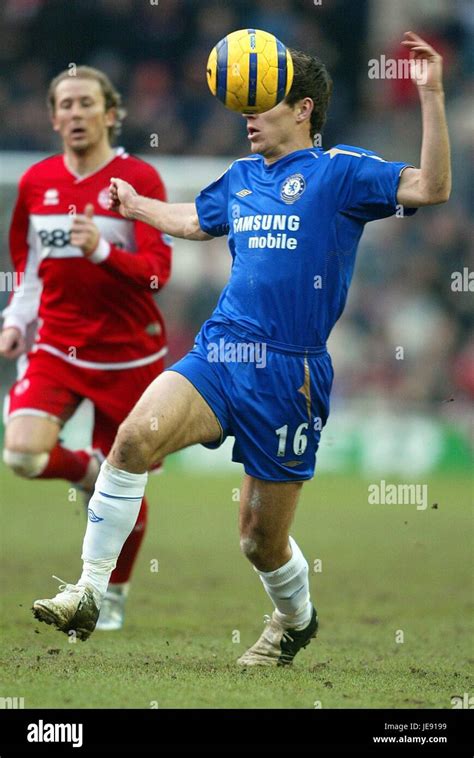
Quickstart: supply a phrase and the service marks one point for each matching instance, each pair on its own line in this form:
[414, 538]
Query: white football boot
[278, 646]
[112, 610]
[74, 609]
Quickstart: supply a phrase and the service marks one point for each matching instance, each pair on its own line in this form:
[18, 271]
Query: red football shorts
[54, 387]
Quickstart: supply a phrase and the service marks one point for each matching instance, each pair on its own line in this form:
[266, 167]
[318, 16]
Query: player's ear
[111, 116]
[304, 109]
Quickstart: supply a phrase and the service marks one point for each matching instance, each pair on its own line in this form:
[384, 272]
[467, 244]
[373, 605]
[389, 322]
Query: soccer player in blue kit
[294, 215]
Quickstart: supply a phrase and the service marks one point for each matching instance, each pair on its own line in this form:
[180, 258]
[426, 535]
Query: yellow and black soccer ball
[250, 71]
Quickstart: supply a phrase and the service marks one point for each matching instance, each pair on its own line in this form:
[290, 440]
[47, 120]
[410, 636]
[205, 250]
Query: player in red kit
[88, 277]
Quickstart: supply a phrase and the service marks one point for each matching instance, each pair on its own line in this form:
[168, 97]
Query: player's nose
[76, 110]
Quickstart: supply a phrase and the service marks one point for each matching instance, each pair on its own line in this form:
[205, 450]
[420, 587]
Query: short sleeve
[373, 188]
[211, 205]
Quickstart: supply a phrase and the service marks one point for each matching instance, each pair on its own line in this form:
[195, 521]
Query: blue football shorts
[273, 403]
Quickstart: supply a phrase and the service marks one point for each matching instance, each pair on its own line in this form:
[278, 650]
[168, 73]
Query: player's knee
[263, 549]
[249, 547]
[24, 463]
[131, 447]
[257, 548]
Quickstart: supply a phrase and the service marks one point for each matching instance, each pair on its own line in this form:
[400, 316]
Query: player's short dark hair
[311, 79]
[112, 97]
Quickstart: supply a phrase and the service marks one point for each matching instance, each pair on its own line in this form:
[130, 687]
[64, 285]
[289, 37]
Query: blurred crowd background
[155, 53]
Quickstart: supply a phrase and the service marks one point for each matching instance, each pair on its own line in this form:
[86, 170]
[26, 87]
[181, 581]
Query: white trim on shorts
[101, 366]
[7, 416]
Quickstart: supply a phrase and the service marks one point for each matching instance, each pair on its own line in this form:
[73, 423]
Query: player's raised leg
[170, 415]
[266, 513]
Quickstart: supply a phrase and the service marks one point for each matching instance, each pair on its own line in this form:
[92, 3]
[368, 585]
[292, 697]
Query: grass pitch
[392, 587]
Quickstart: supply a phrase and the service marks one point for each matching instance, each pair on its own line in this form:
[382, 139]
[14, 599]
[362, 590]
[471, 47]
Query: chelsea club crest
[292, 188]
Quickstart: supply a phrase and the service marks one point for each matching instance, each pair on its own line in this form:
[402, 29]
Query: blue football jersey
[293, 229]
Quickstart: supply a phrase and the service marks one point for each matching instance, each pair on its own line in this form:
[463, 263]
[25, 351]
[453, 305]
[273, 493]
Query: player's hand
[84, 233]
[121, 195]
[427, 71]
[12, 343]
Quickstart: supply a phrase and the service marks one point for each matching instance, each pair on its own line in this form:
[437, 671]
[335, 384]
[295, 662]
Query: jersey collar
[80, 177]
[316, 151]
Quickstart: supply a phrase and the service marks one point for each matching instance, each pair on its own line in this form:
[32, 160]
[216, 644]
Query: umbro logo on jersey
[243, 193]
[51, 197]
[292, 188]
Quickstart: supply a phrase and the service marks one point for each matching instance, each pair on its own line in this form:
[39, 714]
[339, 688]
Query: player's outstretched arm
[176, 219]
[431, 183]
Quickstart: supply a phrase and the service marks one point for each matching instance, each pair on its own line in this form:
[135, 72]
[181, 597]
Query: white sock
[288, 588]
[112, 514]
[119, 588]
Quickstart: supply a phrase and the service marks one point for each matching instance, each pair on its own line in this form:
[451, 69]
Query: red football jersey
[98, 312]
